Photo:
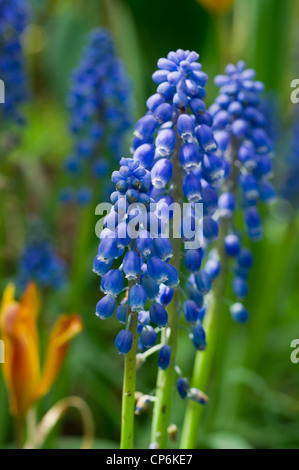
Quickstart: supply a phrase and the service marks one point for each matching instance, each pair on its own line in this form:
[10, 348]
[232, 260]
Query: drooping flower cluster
[40, 262]
[239, 129]
[175, 141]
[99, 102]
[134, 232]
[13, 21]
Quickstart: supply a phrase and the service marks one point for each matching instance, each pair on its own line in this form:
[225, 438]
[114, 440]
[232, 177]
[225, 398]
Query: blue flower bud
[157, 269]
[246, 153]
[194, 294]
[239, 128]
[100, 268]
[148, 337]
[212, 166]
[145, 127]
[253, 224]
[154, 101]
[163, 248]
[239, 313]
[144, 243]
[192, 188]
[213, 267]
[266, 192]
[121, 312]
[198, 337]
[164, 357]
[190, 311]
[165, 142]
[185, 126]
[201, 313]
[143, 320]
[124, 341]
[182, 386]
[161, 173]
[165, 294]
[137, 298]
[189, 157]
[197, 106]
[158, 315]
[113, 282]
[249, 186]
[209, 198]
[163, 113]
[245, 259]
[131, 265]
[193, 260]
[172, 275]
[227, 205]
[232, 245]
[105, 307]
[240, 288]
[145, 155]
[205, 137]
[150, 286]
[180, 100]
[107, 250]
[203, 282]
[210, 228]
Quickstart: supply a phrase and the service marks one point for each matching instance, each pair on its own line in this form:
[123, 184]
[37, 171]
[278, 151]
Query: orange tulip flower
[216, 6]
[21, 369]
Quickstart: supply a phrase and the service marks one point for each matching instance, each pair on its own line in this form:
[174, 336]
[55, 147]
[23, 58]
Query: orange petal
[216, 6]
[21, 367]
[8, 296]
[65, 328]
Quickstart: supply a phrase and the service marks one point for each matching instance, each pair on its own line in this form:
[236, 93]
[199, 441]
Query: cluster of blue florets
[100, 103]
[135, 232]
[41, 263]
[13, 21]
[178, 128]
[239, 129]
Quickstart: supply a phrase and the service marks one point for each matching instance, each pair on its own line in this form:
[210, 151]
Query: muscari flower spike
[177, 126]
[240, 131]
[99, 102]
[143, 266]
[13, 21]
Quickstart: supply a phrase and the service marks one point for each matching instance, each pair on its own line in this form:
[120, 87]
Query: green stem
[166, 378]
[203, 360]
[129, 388]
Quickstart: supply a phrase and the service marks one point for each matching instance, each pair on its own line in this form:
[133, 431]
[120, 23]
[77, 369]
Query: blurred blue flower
[13, 21]
[40, 262]
[100, 106]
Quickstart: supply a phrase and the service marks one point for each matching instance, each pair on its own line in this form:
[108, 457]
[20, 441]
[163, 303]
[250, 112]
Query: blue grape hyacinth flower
[130, 242]
[175, 141]
[40, 262]
[14, 18]
[99, 102]
[240, 129]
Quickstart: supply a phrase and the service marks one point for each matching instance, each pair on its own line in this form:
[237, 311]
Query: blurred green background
[254, 385]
